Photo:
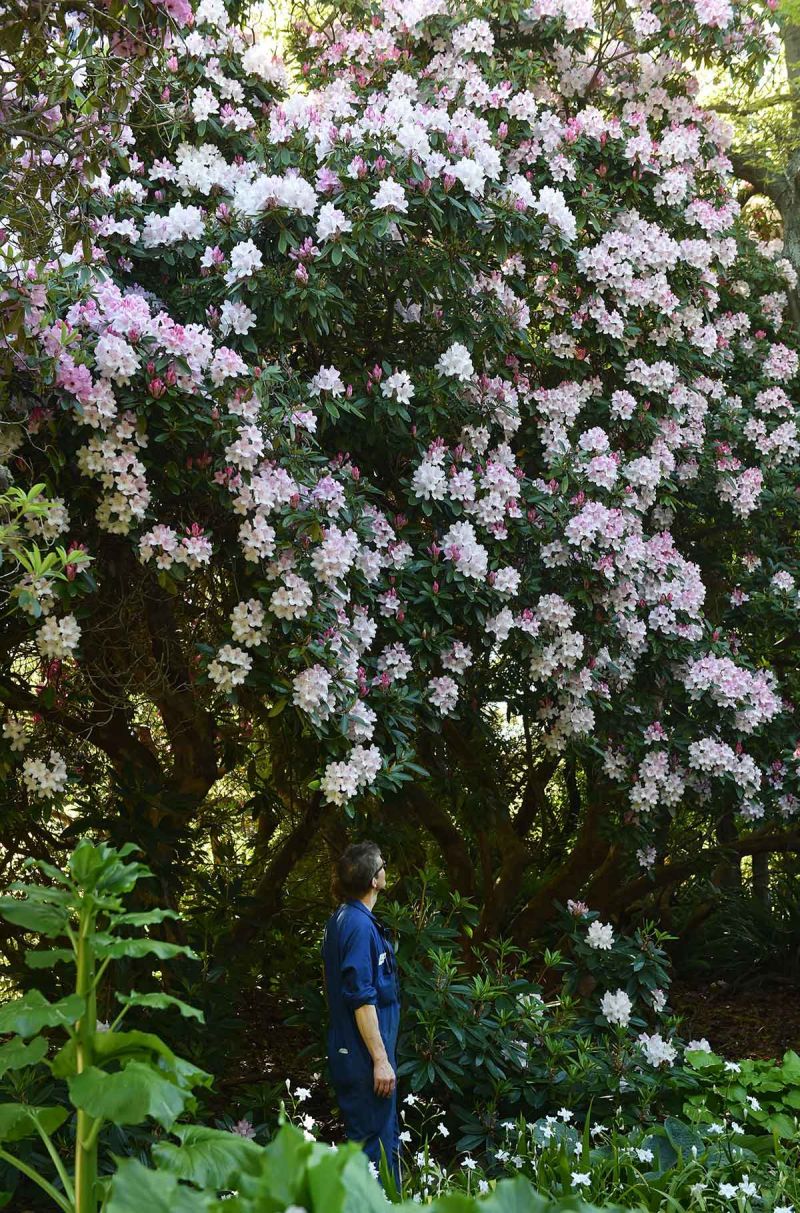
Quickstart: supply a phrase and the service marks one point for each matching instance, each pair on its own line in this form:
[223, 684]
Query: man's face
[379, 879]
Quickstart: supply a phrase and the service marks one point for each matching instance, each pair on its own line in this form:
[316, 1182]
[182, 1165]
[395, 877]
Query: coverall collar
[366, 910]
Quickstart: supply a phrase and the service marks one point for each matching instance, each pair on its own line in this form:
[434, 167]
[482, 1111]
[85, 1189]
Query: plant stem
[85, 1139]
[57, 1163]
[54, 1195]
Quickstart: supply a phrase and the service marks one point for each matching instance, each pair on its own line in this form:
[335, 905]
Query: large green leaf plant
[112, 1076]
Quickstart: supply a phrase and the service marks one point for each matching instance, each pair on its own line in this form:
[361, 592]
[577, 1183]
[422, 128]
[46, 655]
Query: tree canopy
[428, 413]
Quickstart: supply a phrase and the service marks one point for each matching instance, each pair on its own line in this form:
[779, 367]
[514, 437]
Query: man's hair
[355, 869]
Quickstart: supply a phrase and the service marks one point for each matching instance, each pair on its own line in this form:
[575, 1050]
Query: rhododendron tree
[433, 372]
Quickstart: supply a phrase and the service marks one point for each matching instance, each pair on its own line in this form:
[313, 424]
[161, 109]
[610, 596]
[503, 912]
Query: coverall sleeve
[358, 978]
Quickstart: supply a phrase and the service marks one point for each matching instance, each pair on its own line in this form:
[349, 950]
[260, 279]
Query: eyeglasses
[377, 870]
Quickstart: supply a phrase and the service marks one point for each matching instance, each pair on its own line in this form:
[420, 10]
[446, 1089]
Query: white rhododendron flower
[45, 778]
[600, 936]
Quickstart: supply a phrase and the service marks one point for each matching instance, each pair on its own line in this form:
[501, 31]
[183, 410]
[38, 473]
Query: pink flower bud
[436, 587]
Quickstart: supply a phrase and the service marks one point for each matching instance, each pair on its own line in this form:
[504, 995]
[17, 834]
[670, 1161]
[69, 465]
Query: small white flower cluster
[58, 638]
[617, 1007]
[312, 692]
[443, 694]
[163, 543]
[457, 362]
[43, 780]
[247, 623]
[342, 780]
[16, 734]
[657, 1050]
[229, 668]
[600, 936]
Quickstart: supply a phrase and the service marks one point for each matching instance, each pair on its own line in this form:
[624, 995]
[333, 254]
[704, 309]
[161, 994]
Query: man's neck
[369, 899]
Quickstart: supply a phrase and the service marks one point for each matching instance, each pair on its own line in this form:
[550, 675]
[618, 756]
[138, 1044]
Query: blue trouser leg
[372, 1120]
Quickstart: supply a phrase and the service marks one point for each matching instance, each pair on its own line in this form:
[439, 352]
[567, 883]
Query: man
[363, 995]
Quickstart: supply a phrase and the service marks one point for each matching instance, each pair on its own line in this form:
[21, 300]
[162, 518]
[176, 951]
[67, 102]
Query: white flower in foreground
[390, 197]
[399, 386]
[58, 638]
[456, 361]
[332, 222]
[580, 1179]
[443, 1129]
[699, 1046]
[600, 936]
[617, 1007]
[657, 1050]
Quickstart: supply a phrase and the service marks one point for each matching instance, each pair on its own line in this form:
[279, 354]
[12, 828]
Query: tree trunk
[728, 872]
[761, 879]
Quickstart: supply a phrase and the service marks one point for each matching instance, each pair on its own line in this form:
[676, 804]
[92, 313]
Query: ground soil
[756, 1023]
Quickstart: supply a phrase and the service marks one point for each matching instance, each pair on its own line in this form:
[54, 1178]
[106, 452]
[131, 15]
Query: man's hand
[384, 1077]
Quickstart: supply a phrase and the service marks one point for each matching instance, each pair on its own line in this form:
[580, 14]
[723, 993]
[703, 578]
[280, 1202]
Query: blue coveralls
[360, 968]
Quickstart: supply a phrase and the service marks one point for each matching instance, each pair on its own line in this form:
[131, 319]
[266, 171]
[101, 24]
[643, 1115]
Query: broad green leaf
[15, 1055]
[513, 1196]
[209, 1158]
[453, 1202]
[783, 1125]
[107, 946]
[28, 1015]
[40, 917]
[790, 1070]
[698, 1059]
[143, 918]
[127, 1046]
[16, 1120]
[665, 1154]
[344, 1184]
[282, 1178]
[49, 958]
[160, 1002]
[135, 1188]
[683, 1137]
[129, 1096]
